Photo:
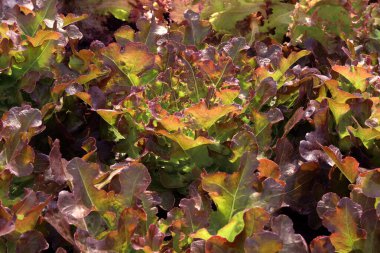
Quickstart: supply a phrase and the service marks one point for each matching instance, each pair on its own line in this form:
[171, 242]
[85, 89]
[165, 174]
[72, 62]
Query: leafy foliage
[189, 126]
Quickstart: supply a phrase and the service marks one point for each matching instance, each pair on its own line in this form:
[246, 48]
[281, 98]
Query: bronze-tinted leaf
[42, 36]
[205, 117]
[348, 166]
[356, 75]
[134, 58]
[263, 242]
[342, 221]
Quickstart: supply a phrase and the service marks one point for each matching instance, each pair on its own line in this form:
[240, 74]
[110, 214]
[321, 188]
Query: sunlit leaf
[33, 19]
[42, 36]
[357, 76]
[348, 166]
[224, 15]
[233, 194]
[205, 117]
[342, 221]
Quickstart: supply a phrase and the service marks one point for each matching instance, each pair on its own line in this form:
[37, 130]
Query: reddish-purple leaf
[321, 244]
[282, 225]
[31, 242]
[343, 222]
[57, 166]
[370, 183]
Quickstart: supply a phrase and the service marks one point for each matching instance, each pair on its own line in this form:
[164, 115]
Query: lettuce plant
[189, 126]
